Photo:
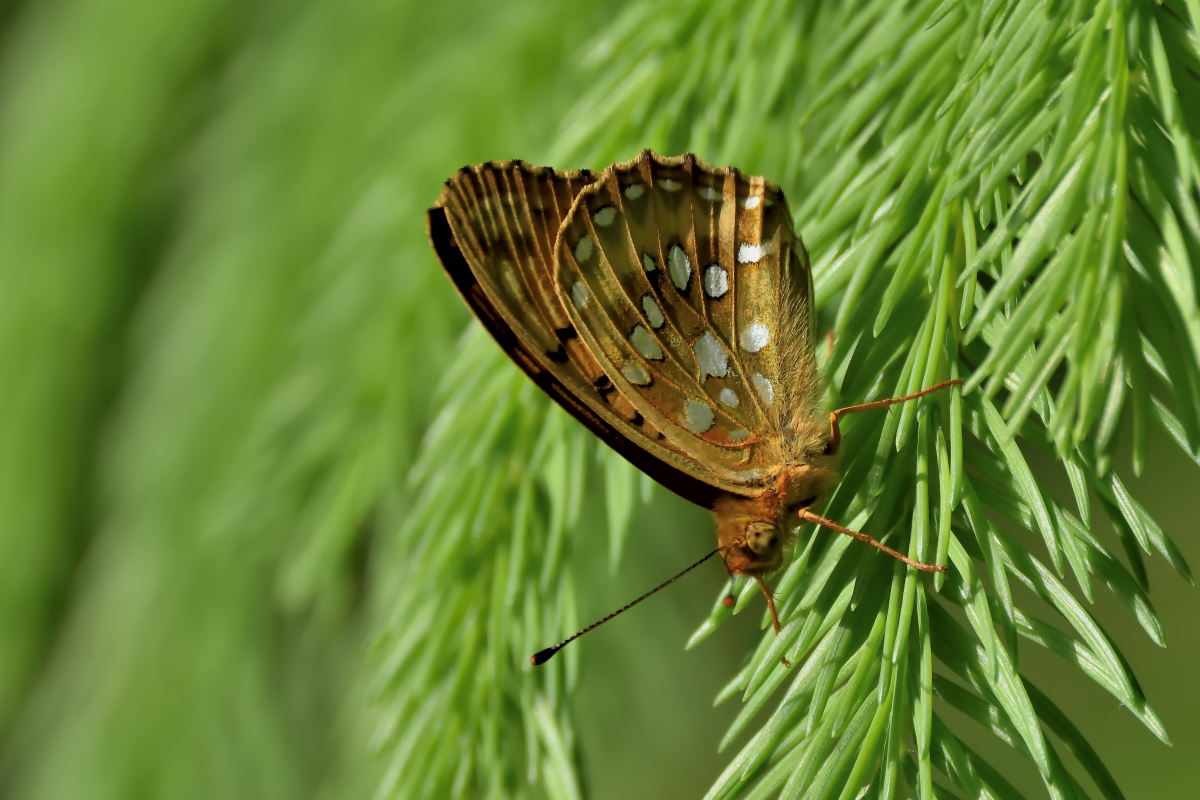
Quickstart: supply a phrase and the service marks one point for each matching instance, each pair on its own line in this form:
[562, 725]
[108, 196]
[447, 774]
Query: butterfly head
[758, 550]
[752, 532]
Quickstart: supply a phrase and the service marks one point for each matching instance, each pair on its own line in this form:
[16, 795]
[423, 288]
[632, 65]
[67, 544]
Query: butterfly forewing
[674, 274]
[495, 230]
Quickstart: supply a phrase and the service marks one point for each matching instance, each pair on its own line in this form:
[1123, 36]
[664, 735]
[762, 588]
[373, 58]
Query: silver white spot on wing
[697, 416]
[749, 253]
[579, 294]
[654, 314]
[584, 248]
[605, 216]
[680, 267]
[755, 337]
[709, 193]
[766, 391]
[716, 281]
[648, 263]
[634, 190]
[753, 201]
[728, 397]
[670, 184]
[636, 374]
[711, 356]
[739, 435]
[644, 343]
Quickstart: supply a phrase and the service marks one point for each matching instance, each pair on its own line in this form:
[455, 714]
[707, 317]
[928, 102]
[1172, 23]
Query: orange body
[752, 532]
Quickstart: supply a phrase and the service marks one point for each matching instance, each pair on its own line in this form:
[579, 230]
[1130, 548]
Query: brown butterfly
[668, 306]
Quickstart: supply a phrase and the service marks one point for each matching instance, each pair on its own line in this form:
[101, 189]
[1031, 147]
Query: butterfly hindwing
[495, 230]
[691, 289]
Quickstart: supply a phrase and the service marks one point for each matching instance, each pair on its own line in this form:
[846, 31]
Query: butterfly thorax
[753, 531]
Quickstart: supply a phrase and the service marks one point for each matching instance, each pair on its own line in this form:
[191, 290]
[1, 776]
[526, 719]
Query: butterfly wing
[494, 230]
[691, 289]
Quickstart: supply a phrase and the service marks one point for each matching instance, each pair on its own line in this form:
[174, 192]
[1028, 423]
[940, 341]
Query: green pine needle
[275, 526]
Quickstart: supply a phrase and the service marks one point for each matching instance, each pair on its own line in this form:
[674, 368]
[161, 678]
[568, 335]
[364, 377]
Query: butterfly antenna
[542, 656]
[808, 516]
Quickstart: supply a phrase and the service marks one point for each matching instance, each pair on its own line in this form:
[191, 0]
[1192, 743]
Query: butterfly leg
[762, 585]
[766, 591]
[808, 516]
[835, 435]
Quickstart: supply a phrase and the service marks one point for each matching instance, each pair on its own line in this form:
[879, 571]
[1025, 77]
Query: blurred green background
[225, 340]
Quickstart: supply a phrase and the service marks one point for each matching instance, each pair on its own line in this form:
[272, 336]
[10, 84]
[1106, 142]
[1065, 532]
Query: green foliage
[996, 194]
[274, 527]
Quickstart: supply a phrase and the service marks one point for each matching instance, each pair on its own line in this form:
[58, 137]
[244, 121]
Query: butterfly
[667, 305]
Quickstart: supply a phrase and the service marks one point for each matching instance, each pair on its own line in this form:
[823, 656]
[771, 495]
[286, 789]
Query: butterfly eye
[829, 448]
[808, 501]
[761, 538]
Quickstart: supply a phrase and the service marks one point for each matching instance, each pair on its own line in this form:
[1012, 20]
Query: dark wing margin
[456, 266]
